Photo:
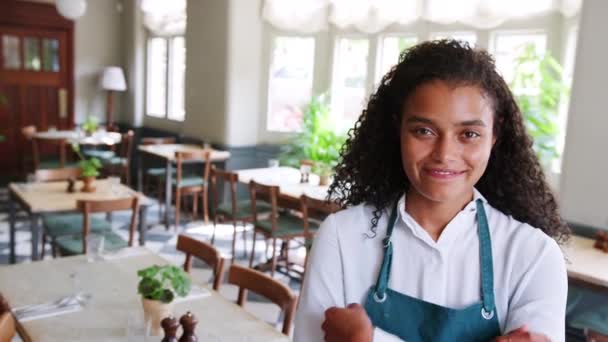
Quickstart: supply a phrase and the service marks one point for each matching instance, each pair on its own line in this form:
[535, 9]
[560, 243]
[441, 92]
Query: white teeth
[445, 172]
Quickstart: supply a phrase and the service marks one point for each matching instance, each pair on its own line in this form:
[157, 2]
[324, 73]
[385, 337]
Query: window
[289, 82]
[166, 64]
[469, 37]
[349, 85]
[508, 46]
[391, 48]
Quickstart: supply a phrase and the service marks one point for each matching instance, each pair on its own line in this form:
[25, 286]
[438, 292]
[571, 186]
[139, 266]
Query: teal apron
[414, 320]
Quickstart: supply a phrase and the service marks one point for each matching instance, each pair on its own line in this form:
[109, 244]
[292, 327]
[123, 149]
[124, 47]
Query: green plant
[90, 124]
[90, 167]
[162, 283]
[318, 140]
[538, 90]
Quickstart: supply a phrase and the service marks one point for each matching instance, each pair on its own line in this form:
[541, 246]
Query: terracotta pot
[154, 312]
[88, 184]
[324, 179]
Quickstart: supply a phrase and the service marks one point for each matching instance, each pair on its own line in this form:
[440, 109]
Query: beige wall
[244, 72]
[584, 183]
[98, 43]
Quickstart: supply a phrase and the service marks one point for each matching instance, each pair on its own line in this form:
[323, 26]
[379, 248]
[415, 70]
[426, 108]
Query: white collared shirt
[530, 281]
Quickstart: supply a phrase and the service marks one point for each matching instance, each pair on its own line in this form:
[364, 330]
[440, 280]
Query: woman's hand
[349, 324]
[522, 335]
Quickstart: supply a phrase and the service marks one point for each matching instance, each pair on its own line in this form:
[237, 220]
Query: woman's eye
[471, 135]
[423, 131]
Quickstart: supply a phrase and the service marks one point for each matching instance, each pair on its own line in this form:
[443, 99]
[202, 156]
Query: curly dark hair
[370, 169]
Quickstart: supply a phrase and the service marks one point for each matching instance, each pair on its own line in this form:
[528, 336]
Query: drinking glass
[95, 244]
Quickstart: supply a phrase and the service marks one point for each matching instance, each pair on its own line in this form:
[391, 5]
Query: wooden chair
[205, 252]
[235, 211]
[156, 174]
[29, 133]
[8, 328]
[53, 175]
[192, 184]
[121, 164]
[283, 227]
[258, 282]
[313, 212]
[76, 243]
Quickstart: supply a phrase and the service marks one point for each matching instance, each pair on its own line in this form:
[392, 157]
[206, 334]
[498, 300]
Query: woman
[450, 232]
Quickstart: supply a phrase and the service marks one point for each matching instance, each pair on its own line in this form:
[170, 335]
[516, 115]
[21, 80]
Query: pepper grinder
[188, 322]
[170, 326]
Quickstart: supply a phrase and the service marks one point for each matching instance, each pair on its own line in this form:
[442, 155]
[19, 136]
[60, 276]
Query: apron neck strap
[385, 269]
[485, 262]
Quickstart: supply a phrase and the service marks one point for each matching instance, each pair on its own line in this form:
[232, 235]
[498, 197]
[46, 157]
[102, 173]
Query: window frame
[270, 50]
[168, 77]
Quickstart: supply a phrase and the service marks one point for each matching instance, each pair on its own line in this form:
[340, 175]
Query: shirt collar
[461, 221]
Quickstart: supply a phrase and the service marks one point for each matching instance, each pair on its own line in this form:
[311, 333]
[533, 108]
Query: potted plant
[158, 286]
[90, 125]
[89, 169]
[318, 141]
[539, 92]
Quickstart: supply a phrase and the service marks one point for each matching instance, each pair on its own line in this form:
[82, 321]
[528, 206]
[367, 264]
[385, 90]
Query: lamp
[112, 79]
[71, 9]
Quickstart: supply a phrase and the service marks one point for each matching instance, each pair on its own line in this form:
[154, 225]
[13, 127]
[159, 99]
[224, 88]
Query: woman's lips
[443, 173]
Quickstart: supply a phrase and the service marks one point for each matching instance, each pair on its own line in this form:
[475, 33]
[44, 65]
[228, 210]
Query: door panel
[35, 64]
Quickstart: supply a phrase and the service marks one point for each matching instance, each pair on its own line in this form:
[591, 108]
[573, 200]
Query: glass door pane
[32, 53]
[10, 52]
[50, 55]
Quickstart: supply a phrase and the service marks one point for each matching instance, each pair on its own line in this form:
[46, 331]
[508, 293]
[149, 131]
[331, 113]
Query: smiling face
[446, 140]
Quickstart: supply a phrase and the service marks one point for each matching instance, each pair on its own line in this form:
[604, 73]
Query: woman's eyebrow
[420, 119]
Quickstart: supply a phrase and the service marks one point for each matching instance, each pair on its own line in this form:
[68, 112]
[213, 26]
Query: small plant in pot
[90, 125]
[158, 287]
[89, 169]
[324, 170]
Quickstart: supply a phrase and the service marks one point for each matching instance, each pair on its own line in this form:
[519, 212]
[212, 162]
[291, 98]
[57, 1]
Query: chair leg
[43, 245]
[233, 240]
[159, 192]
[274, 257]
[214, 226]
[178, 197]
[252, 249]
[245, 238]
[194, 206]
[286, 245]
[205, 206]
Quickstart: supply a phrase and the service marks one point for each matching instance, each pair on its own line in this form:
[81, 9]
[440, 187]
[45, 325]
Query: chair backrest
[262, 284]
[229, 177]
[51, 175]
[193, 155]
[268, 193]
[7, 321]
[205, 252]
[125, 145]
[88, 207]
[316, 208]
[28, 132]
[157, 140]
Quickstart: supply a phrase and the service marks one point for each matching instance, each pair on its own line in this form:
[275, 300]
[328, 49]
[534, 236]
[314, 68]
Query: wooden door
[36, 79]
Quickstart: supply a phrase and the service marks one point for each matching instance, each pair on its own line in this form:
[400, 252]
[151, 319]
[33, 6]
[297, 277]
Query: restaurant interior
[173, 158]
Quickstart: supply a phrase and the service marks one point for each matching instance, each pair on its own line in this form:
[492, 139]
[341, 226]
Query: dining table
[166, 152]
[110, 308]
[288, 179]
[40, 198]
[586, 265]
[99, 137]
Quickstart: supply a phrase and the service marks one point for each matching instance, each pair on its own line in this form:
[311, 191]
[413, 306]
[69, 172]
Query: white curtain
[163, 17]
[372, 16]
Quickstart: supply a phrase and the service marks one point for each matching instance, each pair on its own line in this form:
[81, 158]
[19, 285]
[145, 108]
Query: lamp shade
[113, 78]
[71, 9]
